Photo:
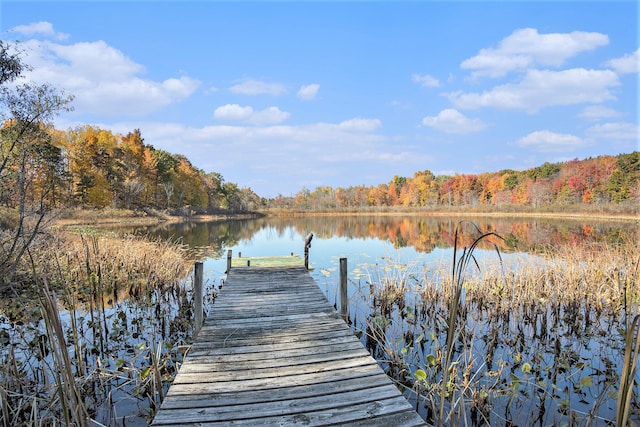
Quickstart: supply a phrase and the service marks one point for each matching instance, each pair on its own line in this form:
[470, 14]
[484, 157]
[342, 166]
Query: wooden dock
[274, 352]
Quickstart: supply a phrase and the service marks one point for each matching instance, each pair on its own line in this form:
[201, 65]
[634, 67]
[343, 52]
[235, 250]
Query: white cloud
[102, 79]
[425, 80]
[615, 131]
[452, 121]
[308, 92]
[86, 61]
[232, 112]
[42, 28]
[597, 112]
[539, 89]
[629, 63]
[267, 145]
[360, 125]
[257, 87]
[235, 112]
[547, 142]
[526, 47]
[271, 115]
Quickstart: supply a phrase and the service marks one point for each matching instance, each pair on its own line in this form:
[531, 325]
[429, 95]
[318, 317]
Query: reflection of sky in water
[366, 258]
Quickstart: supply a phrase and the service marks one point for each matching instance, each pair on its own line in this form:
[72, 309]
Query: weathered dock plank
[275, 352]
[269, 261]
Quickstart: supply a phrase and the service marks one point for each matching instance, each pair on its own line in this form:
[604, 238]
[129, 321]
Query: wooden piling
[198, 297]
[307, 245]
[306, 257]
[228, 261]
[344, 297]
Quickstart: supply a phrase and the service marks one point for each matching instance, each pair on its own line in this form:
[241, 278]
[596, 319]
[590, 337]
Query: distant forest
[90, 167]
[93, 168]
[600, 181]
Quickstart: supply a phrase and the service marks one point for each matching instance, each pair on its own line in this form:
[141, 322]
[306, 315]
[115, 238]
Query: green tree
[165, 173]
[544, 171]
[625, 179]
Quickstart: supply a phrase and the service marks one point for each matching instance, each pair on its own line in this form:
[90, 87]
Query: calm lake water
[548, 365]
[369, 240]
[522, 376]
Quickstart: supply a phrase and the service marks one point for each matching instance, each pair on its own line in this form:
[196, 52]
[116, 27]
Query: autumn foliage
[91, 167]
[599, 181]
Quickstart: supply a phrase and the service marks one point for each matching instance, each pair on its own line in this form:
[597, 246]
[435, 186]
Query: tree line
[90, 167]
[602, 180]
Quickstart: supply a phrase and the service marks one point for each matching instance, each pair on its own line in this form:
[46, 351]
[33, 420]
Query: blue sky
[280, 96]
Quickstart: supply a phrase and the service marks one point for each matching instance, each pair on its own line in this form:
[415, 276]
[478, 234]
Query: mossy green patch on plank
[268, 261]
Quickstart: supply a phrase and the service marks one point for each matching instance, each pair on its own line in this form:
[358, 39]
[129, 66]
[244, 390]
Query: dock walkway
[273, 351]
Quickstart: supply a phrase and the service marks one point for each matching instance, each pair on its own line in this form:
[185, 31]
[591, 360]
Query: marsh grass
[627, 377]
[105, 334]
[512, 339]
[71, 401]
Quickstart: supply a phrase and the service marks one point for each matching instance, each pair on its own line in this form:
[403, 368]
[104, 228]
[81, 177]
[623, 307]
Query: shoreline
[499, 214]
[128, 217]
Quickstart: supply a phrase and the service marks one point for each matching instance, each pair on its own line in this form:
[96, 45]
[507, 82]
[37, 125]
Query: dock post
[228, 261]
[198, 297]
[344, 297]
[306, 257]
[307, 245]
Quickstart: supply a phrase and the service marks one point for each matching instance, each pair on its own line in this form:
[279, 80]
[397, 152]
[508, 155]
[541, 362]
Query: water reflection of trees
[423, 233]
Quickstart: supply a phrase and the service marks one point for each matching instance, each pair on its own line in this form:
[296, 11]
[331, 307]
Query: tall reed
[459, 267]
[73, 408]
[525, 339]
[627, 376]
[84, 366]
[631, 352]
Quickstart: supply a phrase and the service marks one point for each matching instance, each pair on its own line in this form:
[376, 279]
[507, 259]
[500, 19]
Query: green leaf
[420, 375]
[145, 372]
[586, 381]
[431, 360]
[526, 368]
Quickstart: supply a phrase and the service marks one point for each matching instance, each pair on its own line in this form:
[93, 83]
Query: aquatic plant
[528, 339]
[459, 268]
[115, 315]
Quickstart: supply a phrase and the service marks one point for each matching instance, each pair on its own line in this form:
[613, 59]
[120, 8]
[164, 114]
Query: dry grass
[117, 262]
[603, 277]
[49, 383]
